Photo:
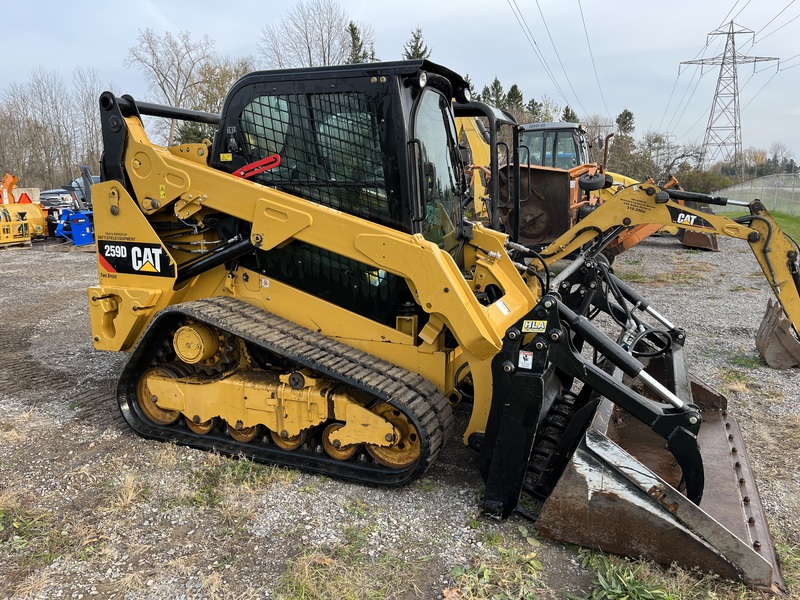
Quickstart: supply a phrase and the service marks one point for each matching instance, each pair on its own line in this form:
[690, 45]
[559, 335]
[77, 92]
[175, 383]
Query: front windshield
[435, 131]
[558, 149]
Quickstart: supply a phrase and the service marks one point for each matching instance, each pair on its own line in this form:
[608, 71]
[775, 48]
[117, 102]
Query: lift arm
[775, 252]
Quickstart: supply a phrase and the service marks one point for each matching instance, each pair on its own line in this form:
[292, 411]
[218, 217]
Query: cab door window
[434, 130]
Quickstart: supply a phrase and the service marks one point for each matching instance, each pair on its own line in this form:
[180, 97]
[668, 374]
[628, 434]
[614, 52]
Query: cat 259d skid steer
[304, 291]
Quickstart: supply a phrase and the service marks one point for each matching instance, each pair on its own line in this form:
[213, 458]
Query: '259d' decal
[680, 217]
[134, 258]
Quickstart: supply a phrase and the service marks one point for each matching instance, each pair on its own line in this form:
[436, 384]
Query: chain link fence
[779, 193]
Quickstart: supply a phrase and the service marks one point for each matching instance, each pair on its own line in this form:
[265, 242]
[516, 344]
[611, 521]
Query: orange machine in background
[21, 220]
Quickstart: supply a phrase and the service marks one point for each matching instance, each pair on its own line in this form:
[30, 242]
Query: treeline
[47, 131]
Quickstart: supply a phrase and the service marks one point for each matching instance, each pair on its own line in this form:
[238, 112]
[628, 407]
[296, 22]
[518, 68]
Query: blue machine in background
[76, 226]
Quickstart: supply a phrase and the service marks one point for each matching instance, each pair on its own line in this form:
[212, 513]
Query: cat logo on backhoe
[680, 217]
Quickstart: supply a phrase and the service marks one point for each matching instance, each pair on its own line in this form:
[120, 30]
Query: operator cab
[376, 141]
[556, 145]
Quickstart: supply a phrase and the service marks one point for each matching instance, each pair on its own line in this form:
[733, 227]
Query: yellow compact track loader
[303, 290]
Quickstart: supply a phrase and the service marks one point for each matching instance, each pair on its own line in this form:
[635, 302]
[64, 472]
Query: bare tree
[779, 154]
[85, 95]
[314, 33]
[20, 153]
[217, 76]
[172, 65]
[597, 129]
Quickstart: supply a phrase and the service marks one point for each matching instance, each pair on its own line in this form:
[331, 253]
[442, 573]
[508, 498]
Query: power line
[725, 20]
[775, 17]
[599, 87]
[675, 85]
[532, 42]
[779, 28]
[702, 51]
[759, 91]
[585, 112]
[733, 18]
[696, 85]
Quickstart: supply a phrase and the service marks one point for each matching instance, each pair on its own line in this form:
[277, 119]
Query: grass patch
[219, 476]
[346, 571]
[619, 579]
[789, 223]
[747, 361]
[32, 538]
[679, 276]
[128, 489]
[685, 271]
[790, 564]
[736, 381]
[513, 572]
[634, 276]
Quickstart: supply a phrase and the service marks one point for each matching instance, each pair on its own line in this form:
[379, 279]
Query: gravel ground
[91, 510]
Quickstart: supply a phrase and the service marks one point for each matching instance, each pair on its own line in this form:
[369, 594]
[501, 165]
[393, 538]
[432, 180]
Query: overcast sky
[634, 50]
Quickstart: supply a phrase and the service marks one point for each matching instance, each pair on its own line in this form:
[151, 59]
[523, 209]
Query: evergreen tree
[416, 48]
[359, 51]
[514, 98]
[569, 115]
[625, 123]
[496, 95]
[534, 111]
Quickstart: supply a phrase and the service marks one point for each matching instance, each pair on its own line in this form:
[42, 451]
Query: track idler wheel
[245, 435]
[332, 445]
[201, 427]
[404, 451]
[289, 442]
[148, 401]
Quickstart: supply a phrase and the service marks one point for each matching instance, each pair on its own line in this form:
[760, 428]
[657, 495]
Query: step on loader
[304, 290]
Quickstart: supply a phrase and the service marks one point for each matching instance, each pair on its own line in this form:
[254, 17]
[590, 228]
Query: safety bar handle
[130, 106]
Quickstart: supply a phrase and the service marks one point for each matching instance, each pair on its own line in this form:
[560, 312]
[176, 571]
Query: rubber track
[419, 399]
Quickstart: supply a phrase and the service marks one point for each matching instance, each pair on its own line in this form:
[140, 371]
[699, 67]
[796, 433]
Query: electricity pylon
[723, 137]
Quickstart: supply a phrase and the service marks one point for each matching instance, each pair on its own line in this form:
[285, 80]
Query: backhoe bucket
[619, 493]
[776, 339]
[699, 240]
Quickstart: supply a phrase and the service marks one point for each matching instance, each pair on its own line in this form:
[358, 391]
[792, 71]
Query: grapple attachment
[624, 451]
